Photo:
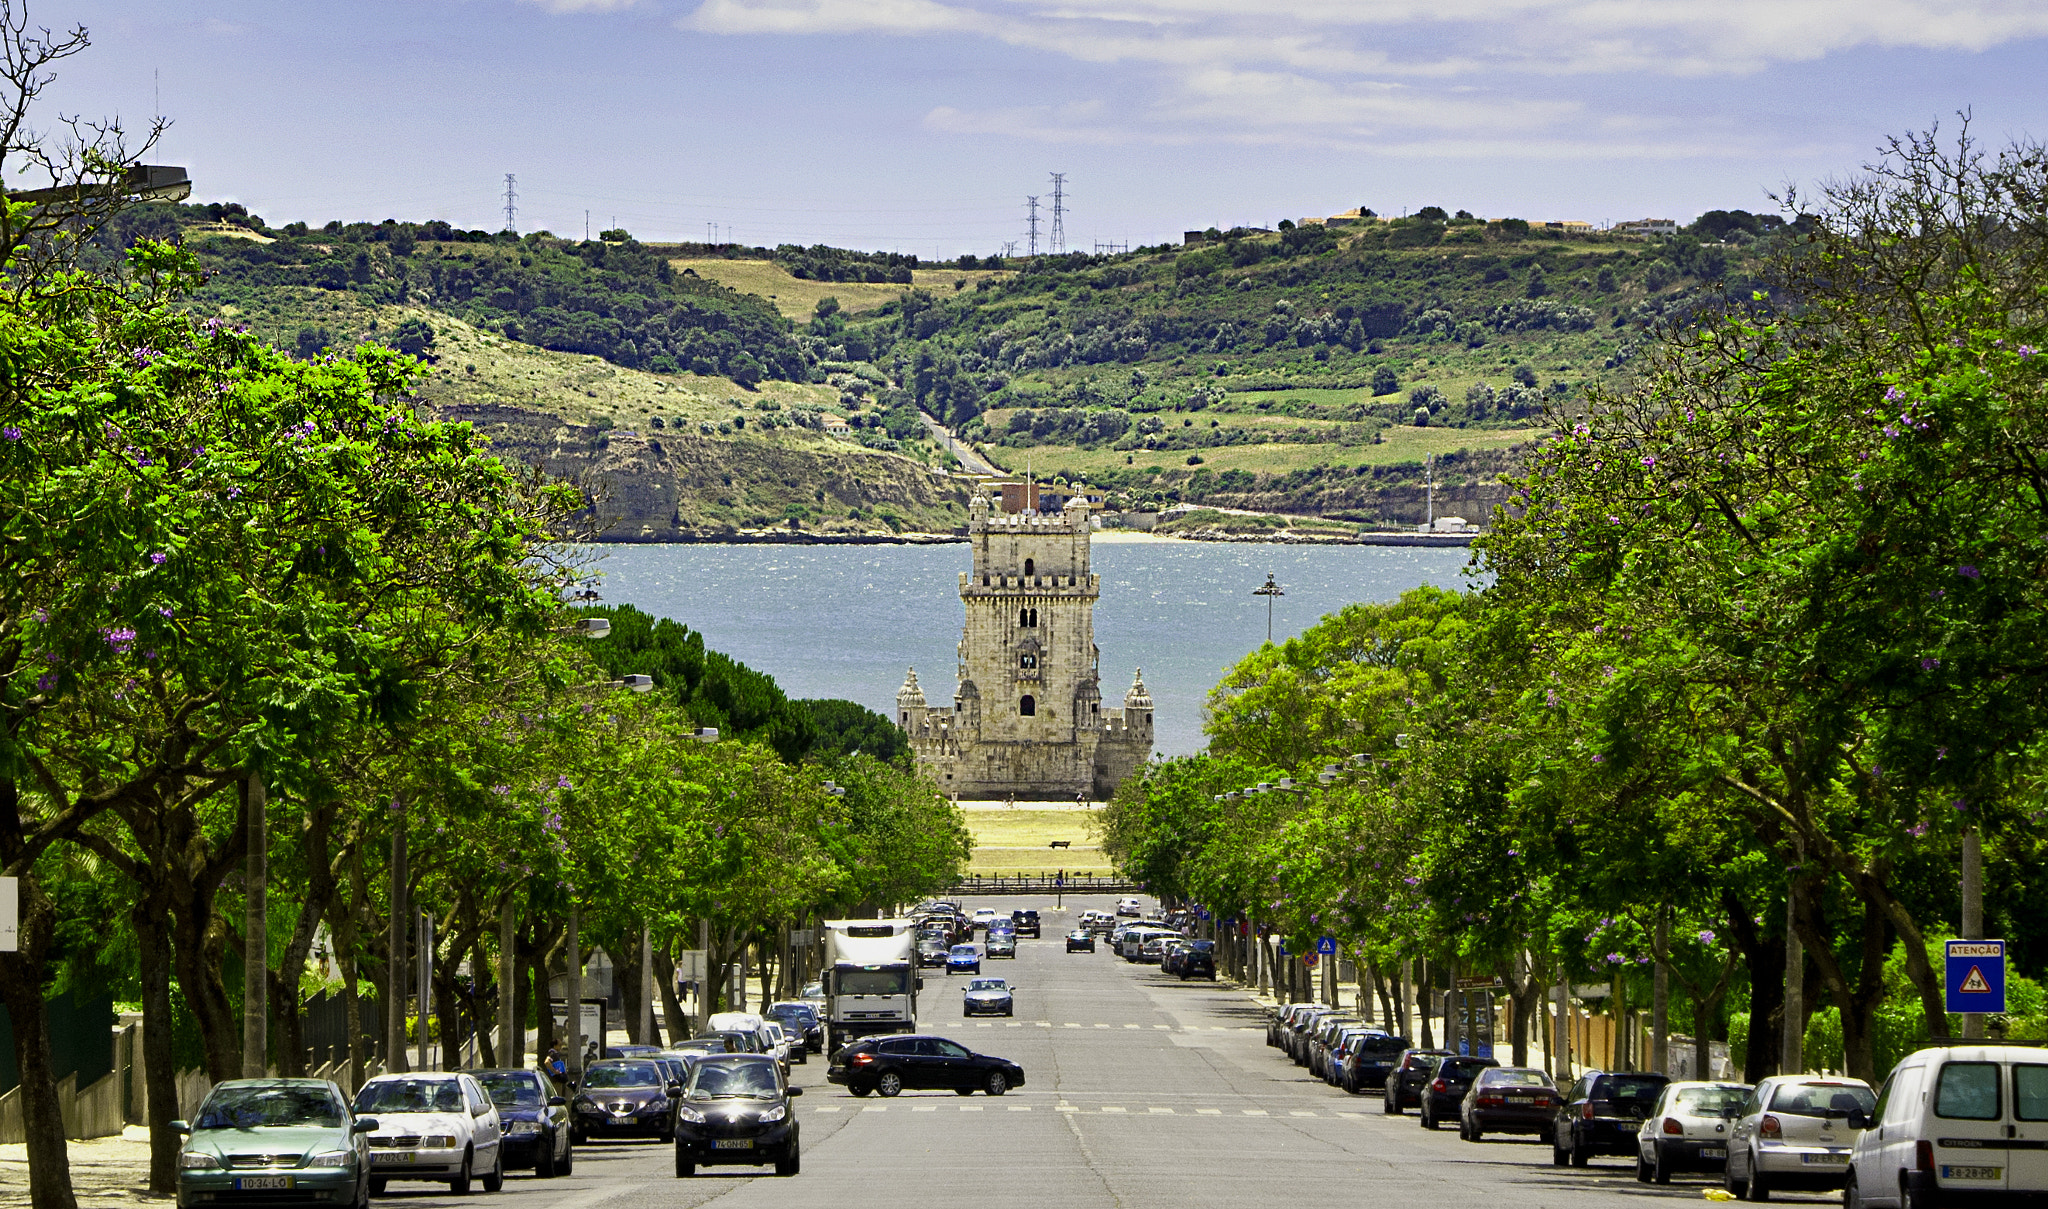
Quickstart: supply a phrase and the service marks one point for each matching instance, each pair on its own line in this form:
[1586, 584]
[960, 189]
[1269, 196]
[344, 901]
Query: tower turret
[910, 703]
[1138, 707]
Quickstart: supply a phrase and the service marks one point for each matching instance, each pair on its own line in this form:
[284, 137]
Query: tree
[414, 336]
[848, 728]
[1385, 381]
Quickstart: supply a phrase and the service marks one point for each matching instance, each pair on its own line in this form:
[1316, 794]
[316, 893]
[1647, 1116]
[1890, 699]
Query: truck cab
[870, 979]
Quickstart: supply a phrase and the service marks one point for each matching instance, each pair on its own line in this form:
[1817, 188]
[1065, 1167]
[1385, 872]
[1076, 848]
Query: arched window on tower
[1027, 661]
[1027, 707]
[1034, 619]
[1029, 568]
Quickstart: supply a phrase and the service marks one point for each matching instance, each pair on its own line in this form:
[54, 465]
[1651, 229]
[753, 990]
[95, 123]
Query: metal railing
[1046, 883]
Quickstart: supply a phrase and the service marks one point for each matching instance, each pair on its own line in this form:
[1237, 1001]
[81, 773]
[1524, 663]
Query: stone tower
[1027, 717]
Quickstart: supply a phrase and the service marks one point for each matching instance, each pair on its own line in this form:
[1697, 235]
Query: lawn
[1017, 841]
[1401, 443]
[798, 299]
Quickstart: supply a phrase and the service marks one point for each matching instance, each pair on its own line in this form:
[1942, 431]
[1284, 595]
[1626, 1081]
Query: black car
[1080, 940]
[1449, 1080]
[1410, 1074]
[1602, 1114]
[931, 951]
[889, 1065]
[1197, 960]
[1369, 1061]
[800, 1020]
[1508, 1099]
[534, 1119]
[1026, 923]
[623, 1095]
[736, 1110]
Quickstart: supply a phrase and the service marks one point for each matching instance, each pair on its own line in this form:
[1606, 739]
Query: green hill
[1308, 370]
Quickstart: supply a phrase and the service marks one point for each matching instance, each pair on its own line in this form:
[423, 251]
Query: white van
[1953, 1125]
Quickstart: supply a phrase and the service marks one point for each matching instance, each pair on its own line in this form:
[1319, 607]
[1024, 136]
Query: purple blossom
[119, 639]
[1917, 830]
[11, 433]
[1893, 394]
[2026, 350]
[1413, 881]
[1962, 805]
[1929, 664]
[43, 616]
[501, 790]
[165, 610]
[1967, 571]
[1615, 959]
[1514, 852]
[1580, 430]
[1706, 936]
[144, 355]
[1941, 753]
[158, 559]
[1550, 697]
[1598, 759]
[562, 782]
[1650, 461]
[46, 682]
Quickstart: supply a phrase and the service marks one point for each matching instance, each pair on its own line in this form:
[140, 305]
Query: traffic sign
[1309, 960]
[1976, 976]
[1327, 946]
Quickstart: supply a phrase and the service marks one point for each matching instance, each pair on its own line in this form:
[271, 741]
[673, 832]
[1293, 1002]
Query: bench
[1061, 844]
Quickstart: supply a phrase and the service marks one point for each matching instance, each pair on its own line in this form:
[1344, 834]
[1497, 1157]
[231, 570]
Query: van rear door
[2028, 1151]
[1970, 1151]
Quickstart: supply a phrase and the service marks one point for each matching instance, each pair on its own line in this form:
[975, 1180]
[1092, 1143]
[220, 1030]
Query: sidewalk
[105, 1172]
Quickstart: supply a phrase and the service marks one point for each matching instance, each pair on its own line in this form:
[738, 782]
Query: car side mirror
[361, 1125]
[479, 1110]
[1857, 1120]
[556, 1101]
[674, 1090]
[181, 1126]
[795, 1091]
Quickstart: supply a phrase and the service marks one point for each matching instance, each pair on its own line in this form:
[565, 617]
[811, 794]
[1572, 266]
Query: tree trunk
[21, 989]
[256, 930]
[672, 1015]
[160, 1078]
[626, 977]
[1422, 998]
[1660, 998]
[1765, 958]
[1858, 1003]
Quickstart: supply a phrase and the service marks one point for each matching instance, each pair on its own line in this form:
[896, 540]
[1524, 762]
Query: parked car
[1197, 960]
[1080, 940]
[1329, 1058]
[622, 1096]
[888, 1065]
[1798, 1131]
[293, 1137]
[802, 1020]
[1002, 944]
[988, 997]
[1444, 1094]
[1128, 907]
[1152, 948]
[1952, 1122]
[1103, 924]
[1317, 1042]
[736, 1109]
[535, 1120]
[1508, 1099]
[1295, 1040]
[1281, 1012]
[432, 1126]
[1601, 1114]
[1367, 1063]
[963, 959]
[1026, 923]
[1411, 1073]
[1687, 1129]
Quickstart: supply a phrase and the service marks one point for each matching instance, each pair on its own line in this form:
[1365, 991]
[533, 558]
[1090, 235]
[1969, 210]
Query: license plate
[392, 1156]
[732, 1144]
[1825, 1158]
[1713, 1152]
[259, 1183]
[1970, 1173]
[1520, 1100]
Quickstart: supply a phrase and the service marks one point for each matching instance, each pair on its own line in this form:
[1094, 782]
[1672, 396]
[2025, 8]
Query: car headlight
[196, 1160]
[523, 1127]
[685, 1113]
[333, 1158]
[775, 1114]
[586, 1102]
[438, 1141]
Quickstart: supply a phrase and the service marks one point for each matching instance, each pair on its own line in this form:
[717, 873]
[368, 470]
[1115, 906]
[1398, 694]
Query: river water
[845, 621]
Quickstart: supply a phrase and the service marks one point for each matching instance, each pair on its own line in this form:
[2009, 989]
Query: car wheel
[1759, 1187]
[577, 1137]
[889, 1084]
[378, 1184]
[1390, 1106]
[544, 1163]
[1642, 1169]
[1660, 1169]
[859, 1091]
[496, 1179]
[684, 1167]
[1580, 1155]
[1558, 1157]
[1736, 1187]
[1464, 1130]
[1473, 1133]
[790, 1163]
[963, 1091]
[1428, 1121]
[997, 1084]
[1852, 1194]
[568, 1164]
[459, 1186]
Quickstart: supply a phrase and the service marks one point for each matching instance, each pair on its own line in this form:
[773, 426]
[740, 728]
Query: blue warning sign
[1976, 976]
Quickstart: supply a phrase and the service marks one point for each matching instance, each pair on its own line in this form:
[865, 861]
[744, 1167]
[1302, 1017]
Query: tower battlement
[1027, 717]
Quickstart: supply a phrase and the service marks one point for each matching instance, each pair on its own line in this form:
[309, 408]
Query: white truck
[870, 979]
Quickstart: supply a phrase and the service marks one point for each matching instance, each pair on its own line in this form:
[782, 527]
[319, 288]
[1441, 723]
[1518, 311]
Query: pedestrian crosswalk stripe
[1162, 1111]
[1020, 1108]
[1298, 1113]
[826, 1108]
[931, 1108]
[1111, 1108]
[1210, 1112]
[1255, 1112]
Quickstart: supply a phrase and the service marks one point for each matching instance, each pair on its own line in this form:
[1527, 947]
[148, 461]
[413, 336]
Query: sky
[922, 126]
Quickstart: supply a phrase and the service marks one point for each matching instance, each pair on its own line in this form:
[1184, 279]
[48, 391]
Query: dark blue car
[535, 1120]
[964, 959]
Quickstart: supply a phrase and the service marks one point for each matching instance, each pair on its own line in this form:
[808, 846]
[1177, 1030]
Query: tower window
[1027, 660]
[1027, 707]
[1029, 568]
[1027, 618]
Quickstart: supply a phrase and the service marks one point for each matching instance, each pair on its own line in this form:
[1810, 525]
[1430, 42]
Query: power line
[511, 203]
[1032, 202]
[1059, 214]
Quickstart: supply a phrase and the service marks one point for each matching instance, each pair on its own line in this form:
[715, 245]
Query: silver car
[1687, 1129]
[988, 997]
[1795, 1132]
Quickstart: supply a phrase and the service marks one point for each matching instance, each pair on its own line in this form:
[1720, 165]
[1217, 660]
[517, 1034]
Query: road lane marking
[1111, 1108]
[970, 1108]
[826, 1108]
[1126, 1026]
[1210, 1112]
[1020, 1108]
[1352, 1116]
[1070, 1024]
[1043, 1023]
[1164, 1026]
[1299, 1113]
[1255, 1112]
[1065, 1108]
[1101, 1026]
[876, 1108]
[1014, 1024]
[1162, 1111]
[930, 1108]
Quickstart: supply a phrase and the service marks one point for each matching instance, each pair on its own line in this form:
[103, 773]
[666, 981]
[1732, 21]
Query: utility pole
[256, 934]
[1429, 488]
[573, 993]
[1031, 203]
[704, 983]
[425, 974]
[1059, 214]
[1270, 590]
[511, 1028]
[1973, 913]
[396, 932]
[511, 203]
[1792, 1042]
[646, 986]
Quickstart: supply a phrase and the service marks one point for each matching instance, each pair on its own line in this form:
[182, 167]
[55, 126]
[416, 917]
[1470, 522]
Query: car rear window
[1967, 1091]
[1724, 1102]
[1382, 1047]
[1627, 1088]
[1462, 1068]
[2030, 1092]
[1515, 1078]
[1837, 1099]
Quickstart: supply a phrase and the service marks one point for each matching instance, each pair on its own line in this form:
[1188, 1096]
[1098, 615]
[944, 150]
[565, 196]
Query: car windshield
[1822, 1100]
[1516, 1078]
[987, 984]
[622, 1074]
[1723, 1102]
[963, 950]
[799, 1013]
[871, 982]
[268, 1107]
[409, 1095]
[734, 1080]
[1622, 1087]
[513, 1090]
[703, 1045]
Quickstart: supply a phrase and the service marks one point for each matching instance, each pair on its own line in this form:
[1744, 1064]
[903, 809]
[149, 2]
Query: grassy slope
[798, 299]
[1016, 841]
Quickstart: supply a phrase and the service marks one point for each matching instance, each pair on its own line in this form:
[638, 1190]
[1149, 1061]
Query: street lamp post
[1269, 590]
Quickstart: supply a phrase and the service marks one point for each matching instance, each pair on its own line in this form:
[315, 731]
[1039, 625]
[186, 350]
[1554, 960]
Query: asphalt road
[1143, 1093]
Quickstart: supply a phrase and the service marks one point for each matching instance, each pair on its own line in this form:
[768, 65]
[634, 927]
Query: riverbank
[799, 537]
